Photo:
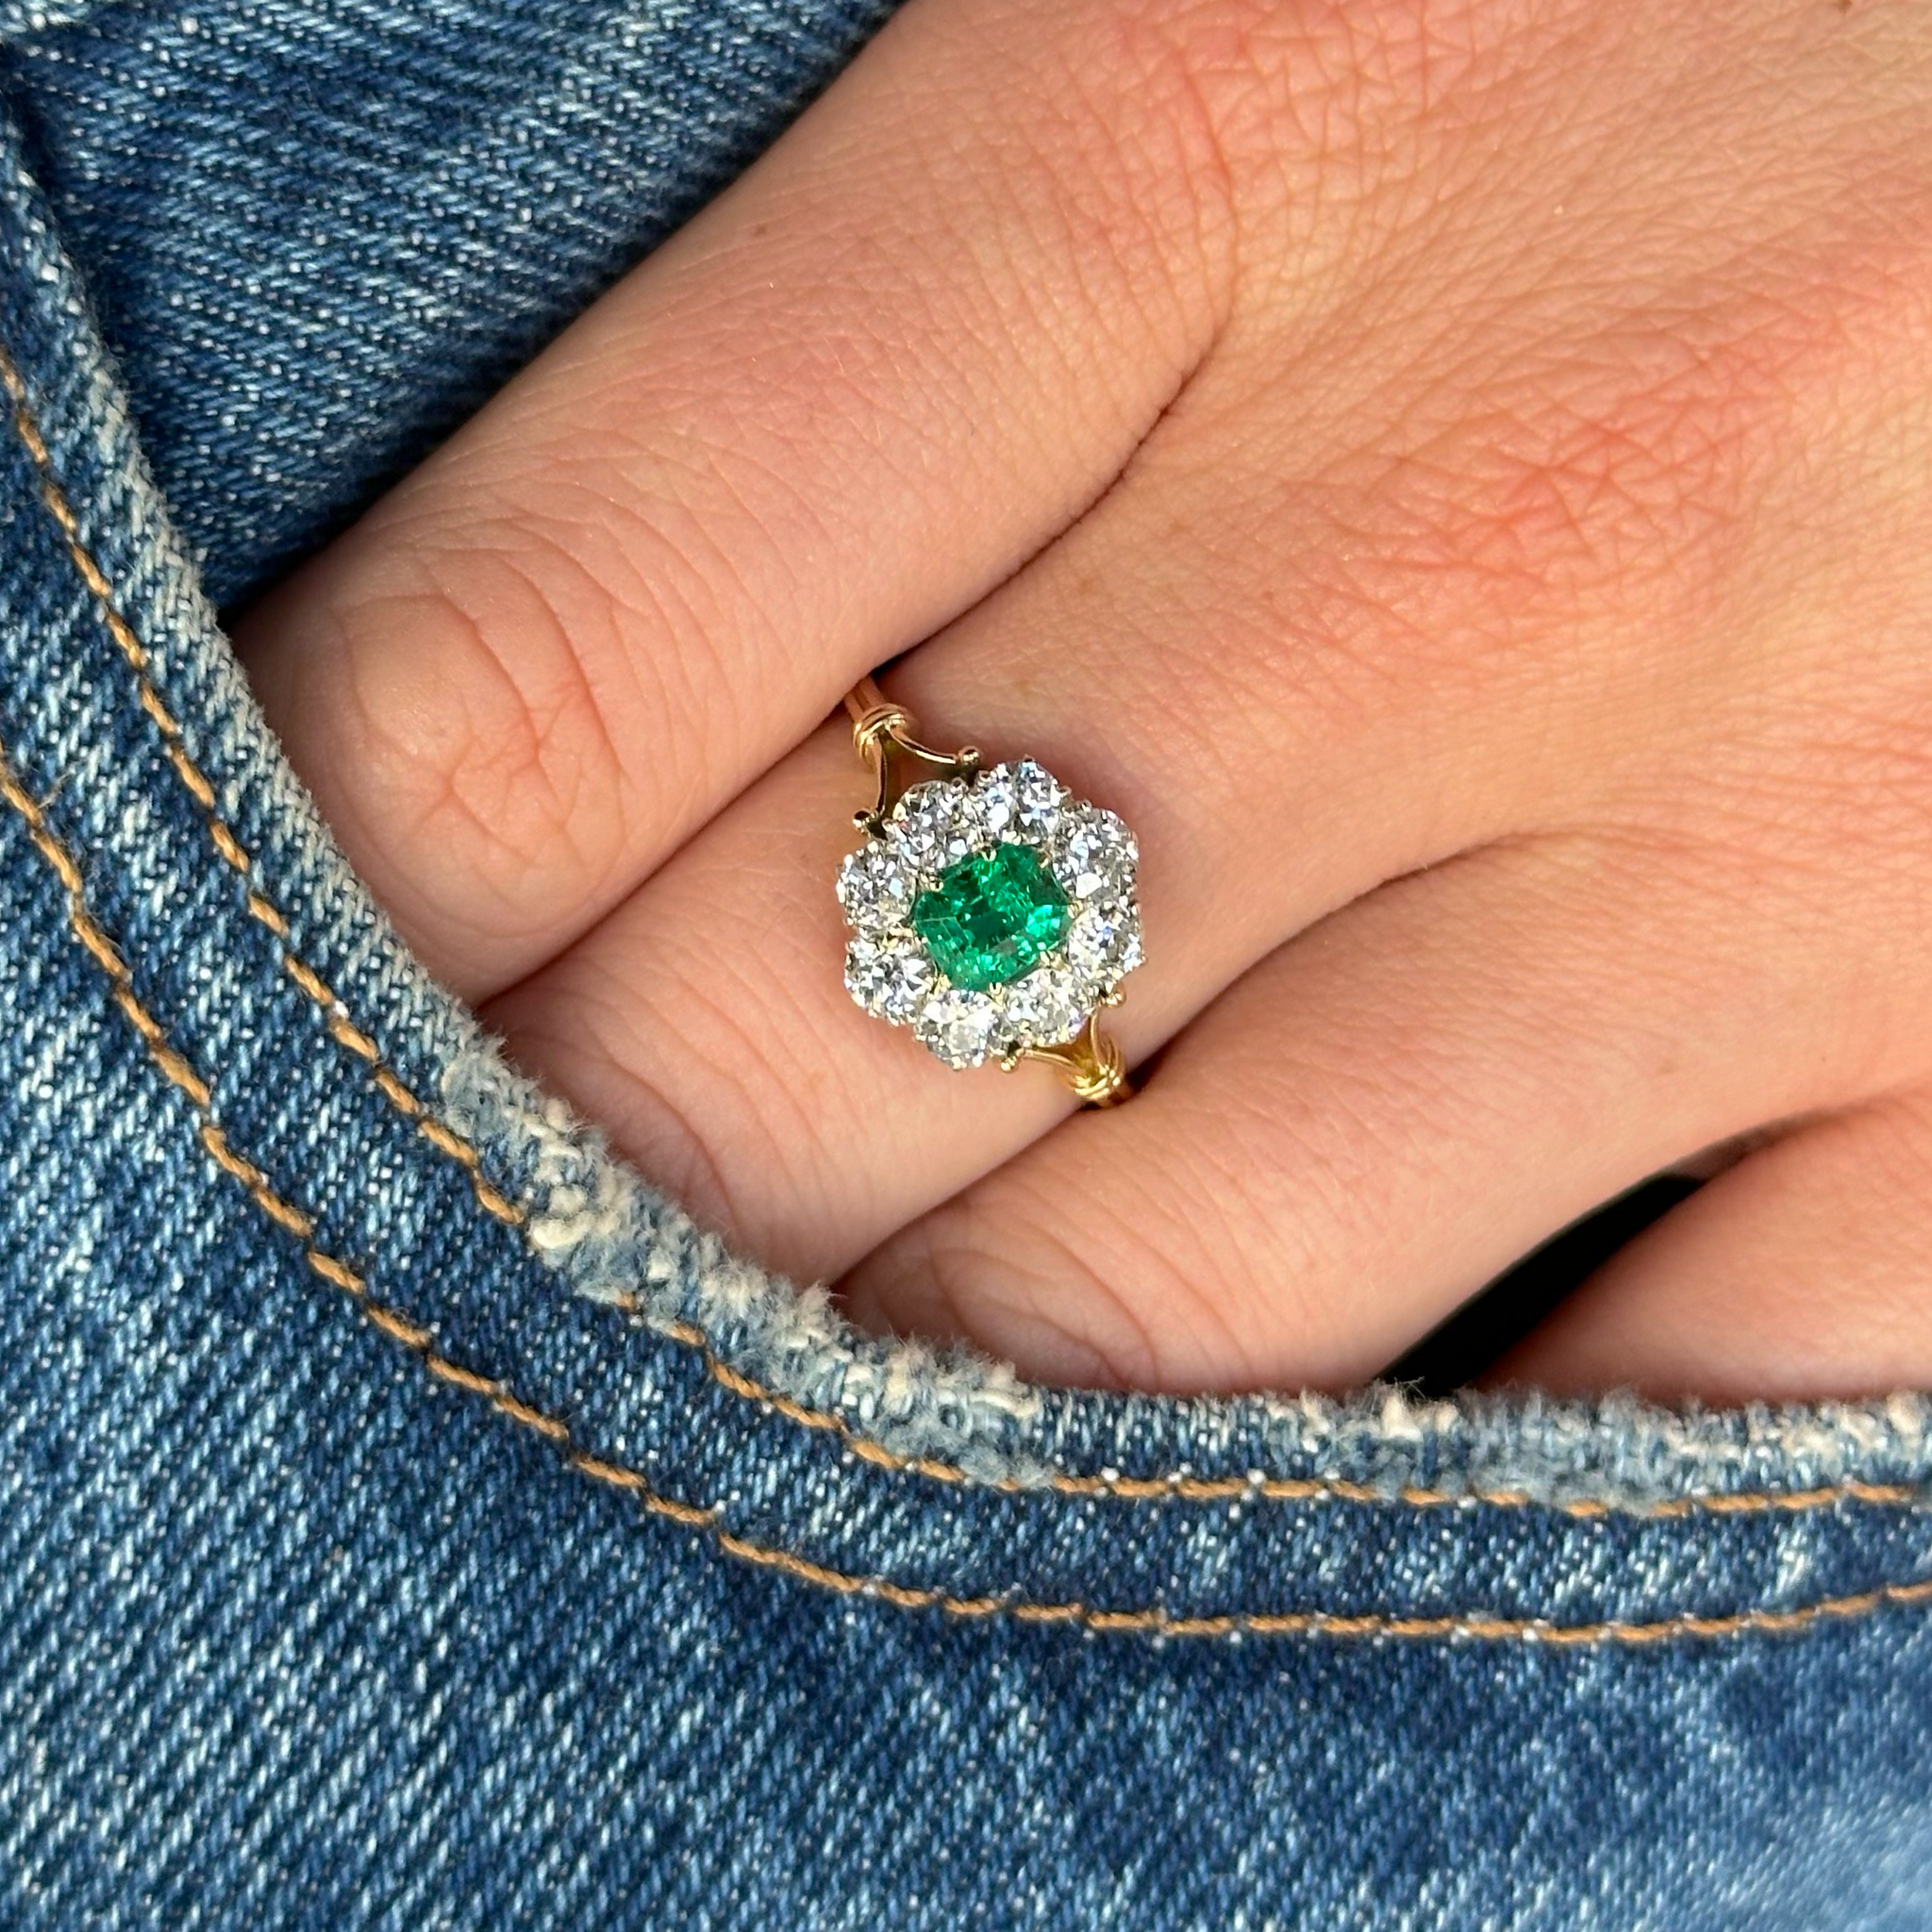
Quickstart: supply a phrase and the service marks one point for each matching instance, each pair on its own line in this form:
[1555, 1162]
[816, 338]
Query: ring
[991, 911]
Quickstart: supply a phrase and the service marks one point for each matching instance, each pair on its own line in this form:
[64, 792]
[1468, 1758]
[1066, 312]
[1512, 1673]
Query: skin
[1450, 472]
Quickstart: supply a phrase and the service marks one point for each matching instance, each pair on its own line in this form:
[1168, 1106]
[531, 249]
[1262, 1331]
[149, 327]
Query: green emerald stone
[991, 916]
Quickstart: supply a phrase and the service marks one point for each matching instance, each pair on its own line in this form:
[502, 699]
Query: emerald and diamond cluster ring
[991, 911]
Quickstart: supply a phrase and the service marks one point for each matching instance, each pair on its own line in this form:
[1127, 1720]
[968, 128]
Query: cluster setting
[992, 914]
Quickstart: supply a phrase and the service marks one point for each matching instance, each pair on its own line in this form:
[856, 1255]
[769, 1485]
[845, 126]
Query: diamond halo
[1041, 987]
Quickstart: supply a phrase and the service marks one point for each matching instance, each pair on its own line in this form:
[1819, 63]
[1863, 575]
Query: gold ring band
[992, 911]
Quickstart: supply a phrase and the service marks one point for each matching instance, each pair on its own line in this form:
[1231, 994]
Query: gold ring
[991, 911]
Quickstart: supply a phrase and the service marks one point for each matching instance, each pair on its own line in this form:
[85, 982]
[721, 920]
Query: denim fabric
[413, 1520]
[319, 235]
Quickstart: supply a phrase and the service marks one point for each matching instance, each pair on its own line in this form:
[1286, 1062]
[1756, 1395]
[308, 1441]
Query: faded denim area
[411, 1520]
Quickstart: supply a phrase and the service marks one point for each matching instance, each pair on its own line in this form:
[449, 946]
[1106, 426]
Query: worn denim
[413, 1520]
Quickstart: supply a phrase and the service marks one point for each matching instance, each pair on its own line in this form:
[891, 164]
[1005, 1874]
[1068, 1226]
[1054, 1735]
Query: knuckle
[482, 745]
[1626, 467]
[1051, 1270]
[1461, 550]
[1152, 142]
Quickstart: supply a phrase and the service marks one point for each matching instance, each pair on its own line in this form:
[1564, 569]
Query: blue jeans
[412, 1520]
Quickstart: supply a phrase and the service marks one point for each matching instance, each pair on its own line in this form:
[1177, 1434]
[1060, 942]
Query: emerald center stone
[991, 916]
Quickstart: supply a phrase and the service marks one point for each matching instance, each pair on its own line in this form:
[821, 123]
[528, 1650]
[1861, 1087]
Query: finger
[1372, 1123]
[1803, 1272]
[891, 361]
[707, 1026]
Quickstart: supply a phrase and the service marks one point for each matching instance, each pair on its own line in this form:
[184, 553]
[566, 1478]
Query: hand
[1451, 474]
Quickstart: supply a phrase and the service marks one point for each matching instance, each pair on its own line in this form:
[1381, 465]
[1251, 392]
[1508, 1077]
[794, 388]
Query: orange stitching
[1189, 1489]
[260, 908]
[1176, 1485]
[1153, 1621]
[202, 791]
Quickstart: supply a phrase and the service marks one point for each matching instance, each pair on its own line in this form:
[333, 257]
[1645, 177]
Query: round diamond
[1104, 943]
[887, 977]
[993, 915]
[1046, 1007]
[938, 823]
[1038, 797]
[958, 1024]
[999, 803]
[875, 887]
[1093, 853]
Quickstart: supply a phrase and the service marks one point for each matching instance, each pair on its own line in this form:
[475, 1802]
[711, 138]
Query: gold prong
[1092, 1064]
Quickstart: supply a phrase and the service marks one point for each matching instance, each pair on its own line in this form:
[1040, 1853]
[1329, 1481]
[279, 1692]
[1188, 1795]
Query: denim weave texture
[411, 1520]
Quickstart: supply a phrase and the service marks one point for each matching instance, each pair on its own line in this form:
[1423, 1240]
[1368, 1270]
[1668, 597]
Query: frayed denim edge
[612, 1239]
